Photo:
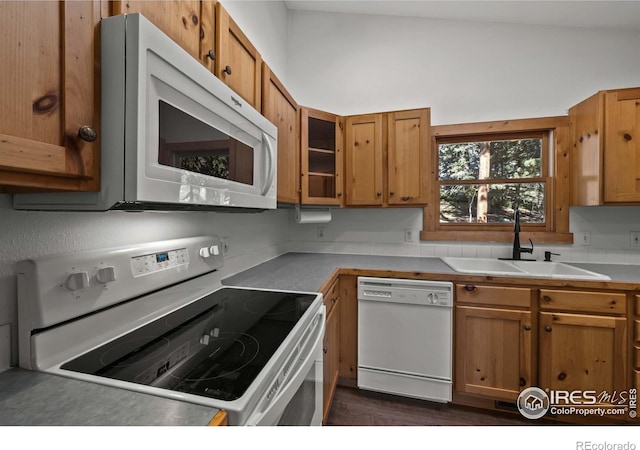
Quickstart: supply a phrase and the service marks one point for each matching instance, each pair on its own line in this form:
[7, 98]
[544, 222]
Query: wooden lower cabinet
[493, 351]
[579, 351]
[331, 359]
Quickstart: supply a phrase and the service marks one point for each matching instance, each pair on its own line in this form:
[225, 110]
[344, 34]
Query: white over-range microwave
[173, 136]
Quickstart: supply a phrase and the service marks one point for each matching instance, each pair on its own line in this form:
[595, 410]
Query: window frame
[555, 175]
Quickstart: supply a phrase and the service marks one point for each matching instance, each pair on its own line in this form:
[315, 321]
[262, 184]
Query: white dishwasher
[405, 337]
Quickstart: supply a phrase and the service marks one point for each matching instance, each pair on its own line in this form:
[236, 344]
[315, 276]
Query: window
[485, 171]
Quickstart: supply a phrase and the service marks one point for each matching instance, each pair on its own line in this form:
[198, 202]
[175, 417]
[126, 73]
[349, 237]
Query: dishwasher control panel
[418, 292]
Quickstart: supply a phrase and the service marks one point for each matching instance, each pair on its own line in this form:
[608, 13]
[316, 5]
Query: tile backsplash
[381, 232]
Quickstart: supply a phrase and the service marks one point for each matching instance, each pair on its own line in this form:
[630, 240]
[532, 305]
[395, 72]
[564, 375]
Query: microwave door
[199, 151]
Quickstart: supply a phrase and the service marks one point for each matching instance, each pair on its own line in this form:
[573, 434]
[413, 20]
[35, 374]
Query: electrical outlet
[584, 238]
[321, 233]
[224, 241]
[408, 235]
[634, 239]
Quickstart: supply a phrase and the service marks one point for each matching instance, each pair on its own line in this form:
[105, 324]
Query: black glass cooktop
[214, 347]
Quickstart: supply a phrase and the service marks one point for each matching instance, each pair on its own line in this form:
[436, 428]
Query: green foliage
[508, 160]
[216, 166]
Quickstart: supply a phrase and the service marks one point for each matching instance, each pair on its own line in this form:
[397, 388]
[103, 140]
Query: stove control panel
[156, 262]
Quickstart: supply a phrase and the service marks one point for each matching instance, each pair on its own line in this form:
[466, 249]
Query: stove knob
[106, 275]
[204, 252]
[215, 250]
[78, 280]
[432, 298]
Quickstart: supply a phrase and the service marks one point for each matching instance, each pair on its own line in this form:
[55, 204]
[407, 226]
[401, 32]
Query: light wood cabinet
[348, 330]
[279, 107]
[387, 158]
[50, 127]
[606, 148]
[582, 350]
[237, 63]
[321, 154]
[493, 345]
[331, 349]
[181, 20]
[635, 347]
[408, 156]
[364, 160]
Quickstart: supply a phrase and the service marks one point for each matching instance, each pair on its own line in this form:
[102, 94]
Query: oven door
[297, 399]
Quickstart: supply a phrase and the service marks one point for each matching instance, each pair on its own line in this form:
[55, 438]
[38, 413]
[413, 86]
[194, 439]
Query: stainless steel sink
[538, 269]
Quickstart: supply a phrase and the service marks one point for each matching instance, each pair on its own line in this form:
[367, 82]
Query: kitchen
[323, 58]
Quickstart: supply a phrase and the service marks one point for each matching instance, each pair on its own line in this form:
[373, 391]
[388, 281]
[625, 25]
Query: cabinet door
[582, 352]
[331, 362]
[180, 20]
[280, 108]
[238, 63]
[493, 352]
[364, 184]
[622, 146]
[49, 96]
[408, 157]
[321, 137]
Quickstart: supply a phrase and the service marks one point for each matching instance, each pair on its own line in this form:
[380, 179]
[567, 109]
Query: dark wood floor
[352, 406]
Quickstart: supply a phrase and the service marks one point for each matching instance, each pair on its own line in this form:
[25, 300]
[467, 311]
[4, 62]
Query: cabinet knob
[325, 349]
[469, 287]
[211, 55]
[527, 327]
[227, 70]
[547, 328]
[546, 298]
[379, 194]
[339, 194]
[391, 193]
[523, 382]
[404, 199]
[87, 133]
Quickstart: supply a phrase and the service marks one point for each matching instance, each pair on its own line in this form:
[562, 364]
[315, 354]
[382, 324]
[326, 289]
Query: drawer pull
[547, 328]
[562, 376]
[546, 298]
[527, 327]
[469, 287]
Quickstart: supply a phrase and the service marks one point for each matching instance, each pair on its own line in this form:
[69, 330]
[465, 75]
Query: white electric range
[155, 318]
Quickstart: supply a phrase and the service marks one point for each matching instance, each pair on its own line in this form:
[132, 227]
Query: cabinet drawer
[637, 302]
[636, 357]
[493, 295]
[596, 302]
[636, 330]
[331, 295]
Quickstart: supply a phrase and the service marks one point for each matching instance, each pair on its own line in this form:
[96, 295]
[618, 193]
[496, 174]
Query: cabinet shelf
[321, 174]
[322, 150]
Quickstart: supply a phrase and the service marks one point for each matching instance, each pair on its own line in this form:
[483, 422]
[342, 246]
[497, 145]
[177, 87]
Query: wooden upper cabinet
[180, 20]
[238, 63]
[49, 96]
[279, 107]
[408, 156]
[321, 155]
[387, 158]
[363, 160]
[606, 148]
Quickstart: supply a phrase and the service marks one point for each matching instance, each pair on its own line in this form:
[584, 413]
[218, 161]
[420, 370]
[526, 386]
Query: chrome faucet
[517, 250]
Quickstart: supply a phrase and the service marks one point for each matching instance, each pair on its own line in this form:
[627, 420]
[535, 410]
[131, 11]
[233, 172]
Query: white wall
[466, 72]
[253, 237]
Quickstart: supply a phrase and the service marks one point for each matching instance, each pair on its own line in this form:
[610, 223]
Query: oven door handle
[276, 407]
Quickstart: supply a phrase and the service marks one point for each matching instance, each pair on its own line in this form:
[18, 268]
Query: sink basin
[539, 269]
[558, 270]
[485, 266]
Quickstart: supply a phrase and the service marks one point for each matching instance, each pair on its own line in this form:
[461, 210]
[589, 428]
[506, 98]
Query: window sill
[537, 237]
